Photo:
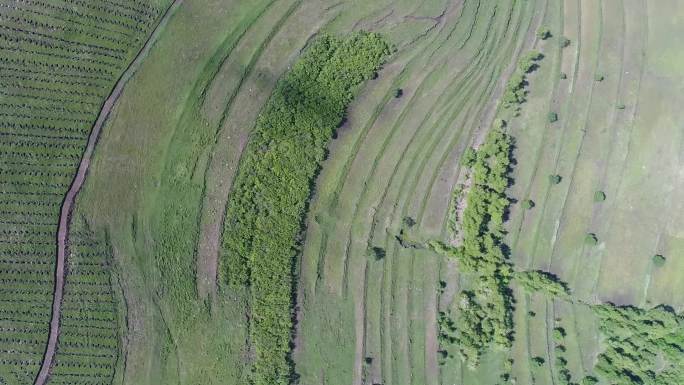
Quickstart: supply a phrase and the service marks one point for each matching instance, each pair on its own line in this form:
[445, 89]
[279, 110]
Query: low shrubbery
[544, 33]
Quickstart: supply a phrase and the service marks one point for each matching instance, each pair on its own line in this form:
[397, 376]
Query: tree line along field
[356, 192]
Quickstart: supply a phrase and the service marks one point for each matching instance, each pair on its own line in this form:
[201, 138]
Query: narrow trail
[77, 183]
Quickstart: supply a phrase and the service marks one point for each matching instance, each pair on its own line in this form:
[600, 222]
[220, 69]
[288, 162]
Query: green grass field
[309, 192]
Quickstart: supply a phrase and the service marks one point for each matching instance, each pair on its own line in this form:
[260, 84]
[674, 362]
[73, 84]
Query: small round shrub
[591, 239]
[398, 93]
[528, 204]
[599, 196]
[659, 260]
[599, 77]
[553, 117]
[620, 106]
[555, 178]
[558, 333]
[563, 75]
[565, 42]
[544, 33]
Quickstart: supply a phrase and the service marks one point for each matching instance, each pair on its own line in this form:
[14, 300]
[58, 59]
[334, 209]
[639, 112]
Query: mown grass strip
[264, 217]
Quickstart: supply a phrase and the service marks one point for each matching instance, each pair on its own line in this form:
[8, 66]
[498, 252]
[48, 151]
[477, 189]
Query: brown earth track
[76, 184]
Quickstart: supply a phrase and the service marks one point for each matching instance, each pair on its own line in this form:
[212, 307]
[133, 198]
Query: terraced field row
[397, 167]
[596, 146]
[60, 60]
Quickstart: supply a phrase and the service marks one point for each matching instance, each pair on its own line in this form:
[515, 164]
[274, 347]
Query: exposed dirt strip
[77, 183]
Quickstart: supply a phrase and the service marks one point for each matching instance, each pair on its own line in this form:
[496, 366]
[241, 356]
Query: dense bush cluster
[641, 346]
[266, 207]
[538, 280]
[484, 316]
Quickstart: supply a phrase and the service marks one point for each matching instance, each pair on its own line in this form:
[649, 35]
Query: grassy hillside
[498, 202]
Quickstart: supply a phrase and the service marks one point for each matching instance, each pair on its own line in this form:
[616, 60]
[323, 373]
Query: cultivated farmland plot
[312, 192]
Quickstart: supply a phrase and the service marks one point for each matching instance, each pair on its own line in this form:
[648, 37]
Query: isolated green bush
[599, 196]
[555, 179]
[528, 204]
[515, 92]
[659, 260]
[553, 117]
[591, 239]
[544, 33]
[267, 204]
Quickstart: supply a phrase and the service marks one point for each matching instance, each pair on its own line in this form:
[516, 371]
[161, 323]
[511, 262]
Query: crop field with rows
[59, 61]
[341, 192]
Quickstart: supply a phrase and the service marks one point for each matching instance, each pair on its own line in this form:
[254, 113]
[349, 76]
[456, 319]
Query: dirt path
[76, 184]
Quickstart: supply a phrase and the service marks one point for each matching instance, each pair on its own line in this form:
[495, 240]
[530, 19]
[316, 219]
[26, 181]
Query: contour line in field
[76, 185]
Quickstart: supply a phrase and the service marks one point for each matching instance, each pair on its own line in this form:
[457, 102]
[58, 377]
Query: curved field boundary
[77, 183]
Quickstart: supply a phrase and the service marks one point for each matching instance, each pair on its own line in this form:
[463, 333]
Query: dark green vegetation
[270, 194]
[528, 204]
[515, 92]
[642, 346]
[544, 33]
[58, 62]
[543, 281]
[484, 316]
[659, 260]
[591, 239]
[555, 179]
[599, 196]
